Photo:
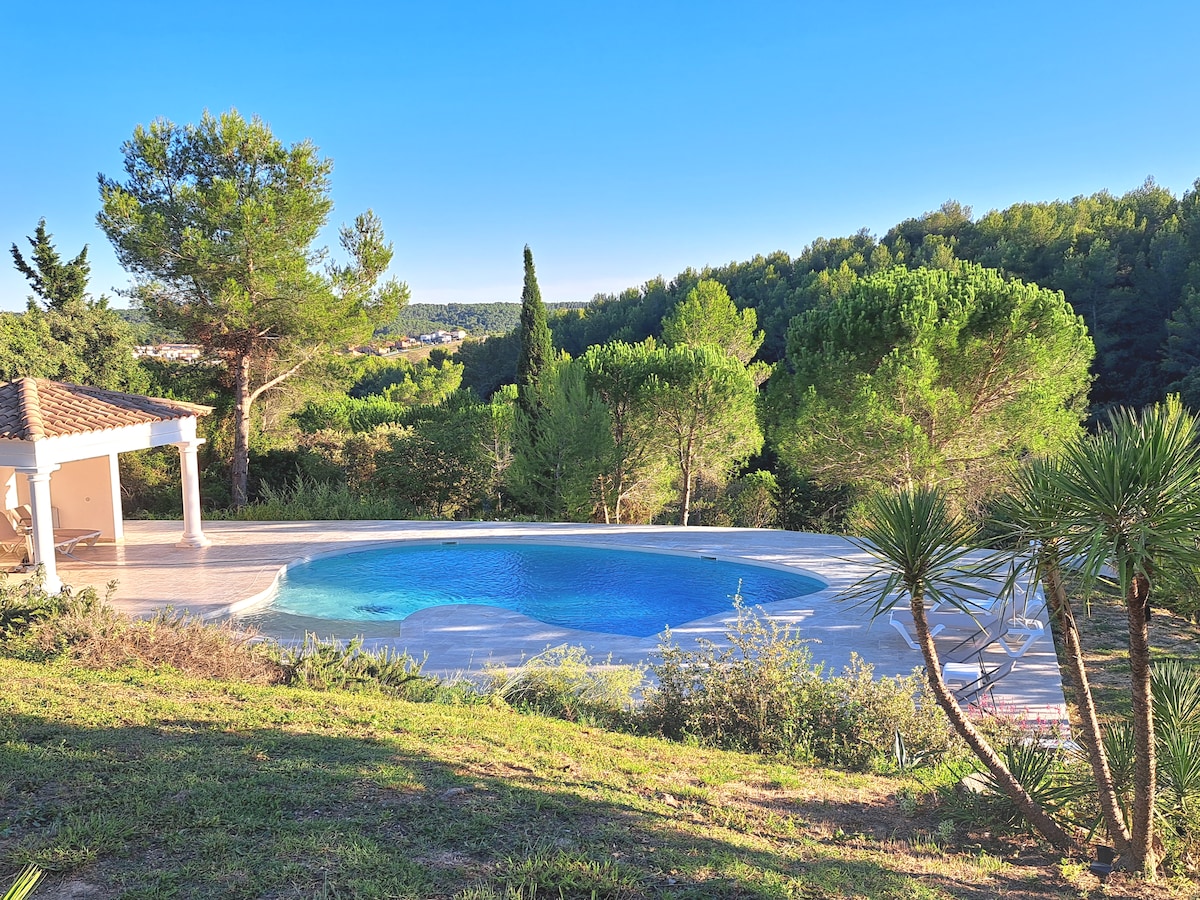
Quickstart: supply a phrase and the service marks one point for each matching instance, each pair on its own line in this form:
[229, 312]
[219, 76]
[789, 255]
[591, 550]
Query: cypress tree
[537, 350]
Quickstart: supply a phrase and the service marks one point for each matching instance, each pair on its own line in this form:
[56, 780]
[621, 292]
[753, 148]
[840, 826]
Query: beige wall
[84, 494]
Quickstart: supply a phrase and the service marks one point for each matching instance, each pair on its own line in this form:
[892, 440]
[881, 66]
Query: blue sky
[619, 140]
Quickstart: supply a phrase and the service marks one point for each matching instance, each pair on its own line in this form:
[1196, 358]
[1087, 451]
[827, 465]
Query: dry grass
[1104, 633]
[102, 638]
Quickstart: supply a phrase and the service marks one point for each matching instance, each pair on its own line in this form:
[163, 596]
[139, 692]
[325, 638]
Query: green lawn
[138, 785]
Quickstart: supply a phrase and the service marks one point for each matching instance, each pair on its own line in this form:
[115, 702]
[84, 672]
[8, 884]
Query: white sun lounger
[65, 539]
[983, 623]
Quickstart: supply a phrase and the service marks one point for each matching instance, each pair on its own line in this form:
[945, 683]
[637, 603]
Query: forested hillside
[474, 318]
[1129, 265]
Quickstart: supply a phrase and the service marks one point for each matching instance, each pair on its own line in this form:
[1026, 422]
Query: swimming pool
[627, 592]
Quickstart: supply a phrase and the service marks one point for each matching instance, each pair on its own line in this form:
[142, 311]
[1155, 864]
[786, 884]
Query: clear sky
[619, 140]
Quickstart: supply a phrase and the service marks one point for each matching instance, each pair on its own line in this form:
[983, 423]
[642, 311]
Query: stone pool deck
[239, 570]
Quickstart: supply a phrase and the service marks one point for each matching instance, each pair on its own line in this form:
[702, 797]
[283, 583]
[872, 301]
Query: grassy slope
[141, 785]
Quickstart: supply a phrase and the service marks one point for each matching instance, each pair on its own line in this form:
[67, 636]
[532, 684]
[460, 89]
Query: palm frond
[920, 549]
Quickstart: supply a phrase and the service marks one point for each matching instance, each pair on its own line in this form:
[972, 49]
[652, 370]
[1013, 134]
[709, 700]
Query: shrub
[870, 712]
[760, 691]
[564, 682]
[751, 501]
[308, 500]
[748, 694]
[1050, 777]
[25, 606]
[332, 664]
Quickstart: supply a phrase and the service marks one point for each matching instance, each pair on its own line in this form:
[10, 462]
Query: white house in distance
[58, 455]
[170, 352]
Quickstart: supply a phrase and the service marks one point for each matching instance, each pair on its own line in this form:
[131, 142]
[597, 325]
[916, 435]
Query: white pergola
[58, 453]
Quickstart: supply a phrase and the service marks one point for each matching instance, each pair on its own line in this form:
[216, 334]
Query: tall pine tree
[537, 350]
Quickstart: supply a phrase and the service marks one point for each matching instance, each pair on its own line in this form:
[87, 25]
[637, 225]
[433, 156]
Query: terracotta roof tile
[35, 408]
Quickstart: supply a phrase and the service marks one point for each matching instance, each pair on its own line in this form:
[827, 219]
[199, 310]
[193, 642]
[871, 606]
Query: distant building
[442, 337]
[170, 352]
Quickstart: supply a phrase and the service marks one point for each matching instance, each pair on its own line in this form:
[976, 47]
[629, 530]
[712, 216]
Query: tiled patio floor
[245, 558]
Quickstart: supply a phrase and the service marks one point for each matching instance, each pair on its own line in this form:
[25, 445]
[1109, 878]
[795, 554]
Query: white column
[189, 476]
[42, 539]
[114, 491]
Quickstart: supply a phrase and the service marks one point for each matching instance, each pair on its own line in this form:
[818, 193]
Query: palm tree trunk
[983, 751]
[1085, 705]
[1145, 761]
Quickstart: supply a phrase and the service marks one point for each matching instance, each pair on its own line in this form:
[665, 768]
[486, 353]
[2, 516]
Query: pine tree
[58, 284]
[68, 335]
[217, 223]
[537, 350]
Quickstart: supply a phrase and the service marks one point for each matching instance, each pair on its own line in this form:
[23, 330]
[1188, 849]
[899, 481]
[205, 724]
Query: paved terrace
[237, 573]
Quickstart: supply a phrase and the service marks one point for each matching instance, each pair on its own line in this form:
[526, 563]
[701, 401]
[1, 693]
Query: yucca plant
[1130, 502]
[1176, 692]
[1178, 771]
[1038, 771]
[27, 881]
[1033, 513]
[922, 552]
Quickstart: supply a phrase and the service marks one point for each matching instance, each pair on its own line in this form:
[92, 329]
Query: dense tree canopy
[217, 223]
[1129, 264]
[477, 319]
[928, 377]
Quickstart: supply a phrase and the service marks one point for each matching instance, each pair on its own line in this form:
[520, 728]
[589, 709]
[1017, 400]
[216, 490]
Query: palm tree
[1130, 502]
[1035, 512]
[922, 552]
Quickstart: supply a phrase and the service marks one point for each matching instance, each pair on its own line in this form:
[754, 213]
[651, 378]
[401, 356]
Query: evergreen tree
[537, 351]
[218, 224]
[704, 403]
[931, 377]
[58, 284]
[556, 467]
[633, 481]
[707, 315]
[68, 336]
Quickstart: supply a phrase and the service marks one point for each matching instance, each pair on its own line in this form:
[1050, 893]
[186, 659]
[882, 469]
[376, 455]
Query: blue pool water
[611, 591]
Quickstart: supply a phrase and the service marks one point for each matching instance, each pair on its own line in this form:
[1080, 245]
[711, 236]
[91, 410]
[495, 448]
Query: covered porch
[59, 445]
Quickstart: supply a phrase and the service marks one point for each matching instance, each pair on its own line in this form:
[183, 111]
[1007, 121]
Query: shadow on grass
[191, 808]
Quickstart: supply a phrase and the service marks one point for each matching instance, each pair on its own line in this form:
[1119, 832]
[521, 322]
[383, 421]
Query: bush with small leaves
[332, 664]
[566, 683]
[760, 691]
